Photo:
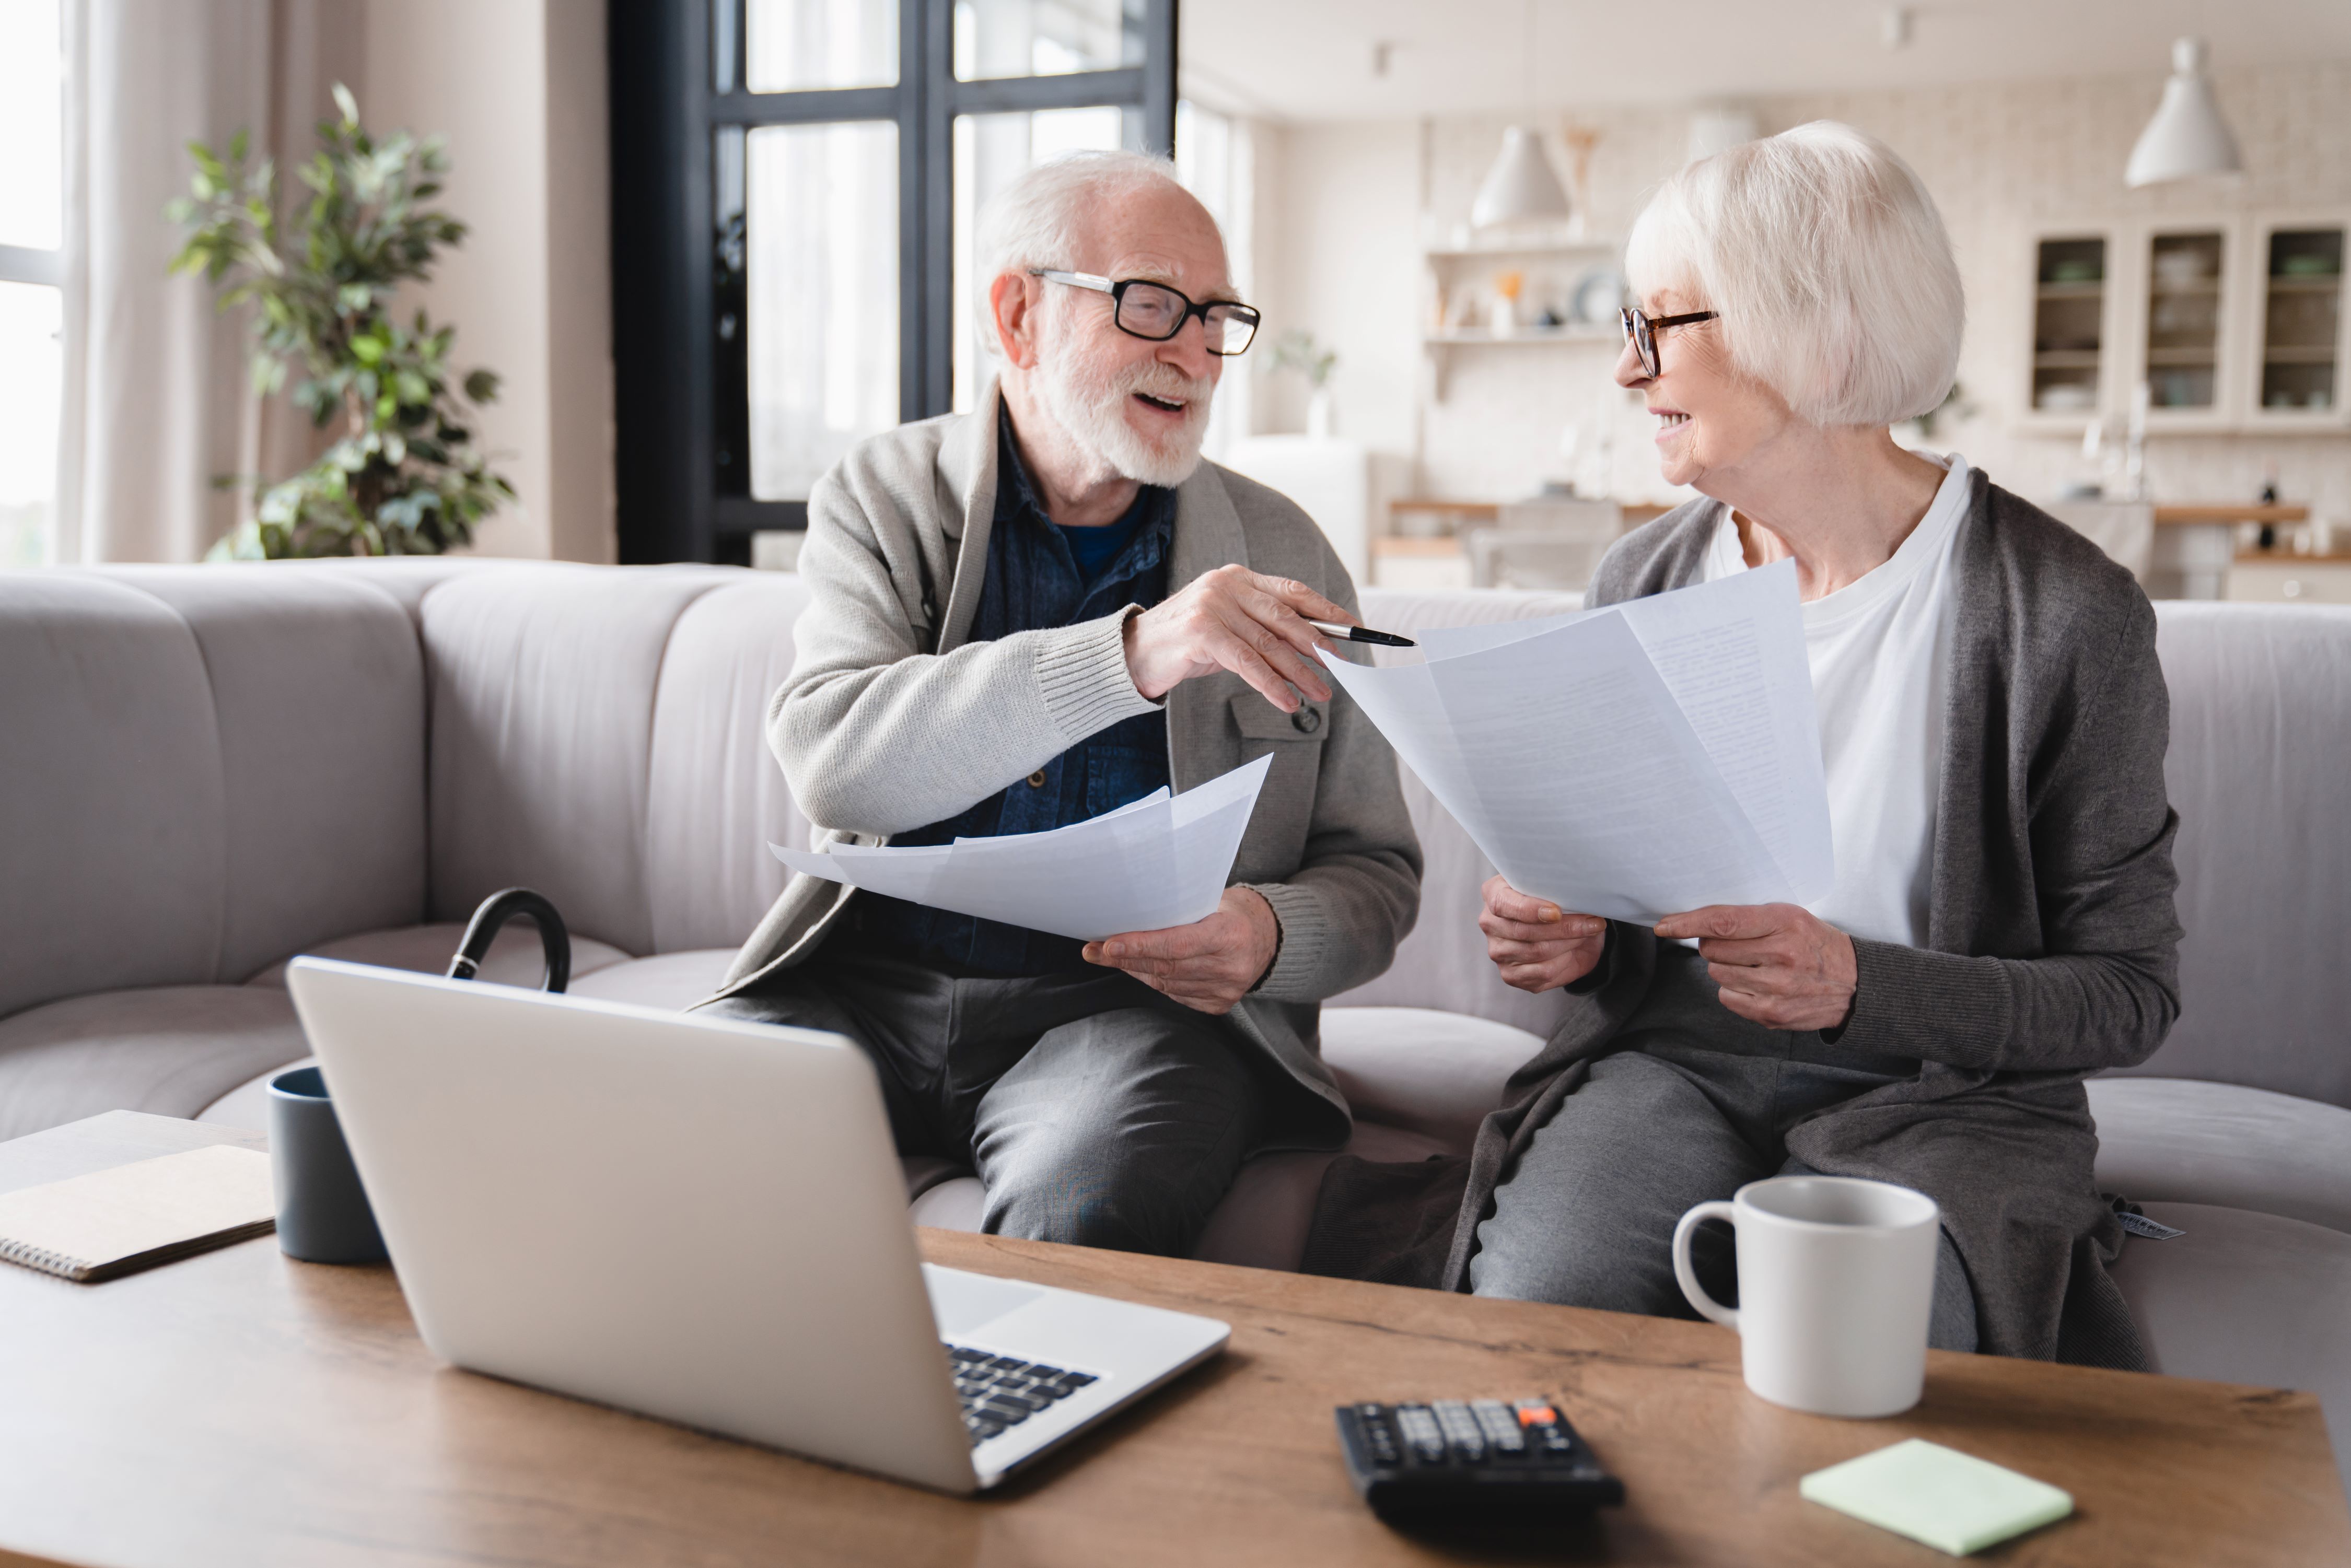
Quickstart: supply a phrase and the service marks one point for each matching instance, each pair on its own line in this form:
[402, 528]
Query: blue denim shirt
[1034, 582]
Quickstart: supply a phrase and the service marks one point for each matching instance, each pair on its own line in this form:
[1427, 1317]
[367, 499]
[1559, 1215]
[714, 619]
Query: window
[794, 188]
[32, 316]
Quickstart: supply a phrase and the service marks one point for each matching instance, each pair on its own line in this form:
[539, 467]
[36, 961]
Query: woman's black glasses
[1643, 330]
[1155, 312]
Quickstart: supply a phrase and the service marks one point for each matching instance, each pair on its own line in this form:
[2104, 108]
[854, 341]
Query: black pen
[1362, 635]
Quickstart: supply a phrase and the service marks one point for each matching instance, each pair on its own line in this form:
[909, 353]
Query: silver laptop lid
[690, 1217]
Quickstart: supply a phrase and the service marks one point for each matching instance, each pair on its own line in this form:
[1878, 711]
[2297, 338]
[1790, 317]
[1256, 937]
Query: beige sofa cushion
[1431, 1072]
[716, 797]
[171, 1051]
[2182, 1141]
[2260, 728]
[110, 869]
[543, 688]
[2247, 1298]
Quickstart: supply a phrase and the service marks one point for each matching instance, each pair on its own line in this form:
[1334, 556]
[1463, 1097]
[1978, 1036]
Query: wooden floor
[242, 1408]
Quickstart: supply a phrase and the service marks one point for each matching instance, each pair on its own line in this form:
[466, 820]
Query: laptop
[701, 1219]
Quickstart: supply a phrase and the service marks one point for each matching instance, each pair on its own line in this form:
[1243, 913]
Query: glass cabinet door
[2184, 291]
[2068, 325]
[2302, 321]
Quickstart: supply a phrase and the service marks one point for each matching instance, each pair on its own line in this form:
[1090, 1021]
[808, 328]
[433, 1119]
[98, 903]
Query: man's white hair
[1829, 264]
[1038, 219]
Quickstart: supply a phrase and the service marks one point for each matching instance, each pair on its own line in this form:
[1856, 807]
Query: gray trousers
[1694, 1103]
[1095, 1110]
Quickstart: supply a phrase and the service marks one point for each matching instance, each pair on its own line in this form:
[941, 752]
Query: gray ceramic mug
[322, 1210]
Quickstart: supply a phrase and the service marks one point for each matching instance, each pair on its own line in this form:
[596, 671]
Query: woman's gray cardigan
[2052, 939]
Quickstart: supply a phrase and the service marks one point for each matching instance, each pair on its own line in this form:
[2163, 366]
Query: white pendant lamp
[1522, 186]
[2187, 137]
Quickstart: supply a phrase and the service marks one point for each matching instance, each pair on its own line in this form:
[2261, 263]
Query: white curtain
[157, 397]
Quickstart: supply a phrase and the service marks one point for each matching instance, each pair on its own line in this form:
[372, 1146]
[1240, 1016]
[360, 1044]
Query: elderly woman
[1992, 720]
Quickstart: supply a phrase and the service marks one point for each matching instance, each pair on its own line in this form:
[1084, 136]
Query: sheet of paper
[1732, 652]
[1633, 761]
[1155, 862]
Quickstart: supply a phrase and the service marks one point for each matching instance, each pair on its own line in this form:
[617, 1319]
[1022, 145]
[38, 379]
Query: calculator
[1472, 1461]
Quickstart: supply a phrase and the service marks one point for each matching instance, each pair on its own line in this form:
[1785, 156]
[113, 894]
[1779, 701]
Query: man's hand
[1238, 619]
[1208, 965]
[1536, 945]
[1778, 964]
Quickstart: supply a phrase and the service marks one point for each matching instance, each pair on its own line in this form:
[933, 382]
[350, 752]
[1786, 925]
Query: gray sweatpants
[1694, 1103]
[1094, 1110]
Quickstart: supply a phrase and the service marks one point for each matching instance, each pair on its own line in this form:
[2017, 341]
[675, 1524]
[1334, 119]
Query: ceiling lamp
[1714, 130]
[2187, 137]
[1522, 186]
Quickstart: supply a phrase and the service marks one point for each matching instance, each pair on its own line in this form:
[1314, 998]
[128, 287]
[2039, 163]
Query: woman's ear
[1012, 304]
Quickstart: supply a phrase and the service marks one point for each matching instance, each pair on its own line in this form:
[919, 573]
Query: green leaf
[347, 104]
[482, 385]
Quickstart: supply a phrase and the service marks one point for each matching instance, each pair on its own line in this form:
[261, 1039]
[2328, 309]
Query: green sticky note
[1954, 1502]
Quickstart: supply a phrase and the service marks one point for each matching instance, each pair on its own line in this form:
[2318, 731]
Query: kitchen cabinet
[2234, 323]
[2273, 579]
[2071, 329]
[2303, 334]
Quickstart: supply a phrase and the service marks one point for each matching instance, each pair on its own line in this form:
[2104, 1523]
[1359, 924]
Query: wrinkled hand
[1536, 945]
[1238, 619]
[1778, 964]
[1208, 965]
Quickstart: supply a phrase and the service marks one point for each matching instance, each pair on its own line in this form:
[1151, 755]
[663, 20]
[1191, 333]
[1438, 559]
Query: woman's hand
[1536, 945]
[1778, 964]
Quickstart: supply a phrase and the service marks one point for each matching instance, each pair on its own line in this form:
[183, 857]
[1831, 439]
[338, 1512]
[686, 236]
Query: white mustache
[1163, 380]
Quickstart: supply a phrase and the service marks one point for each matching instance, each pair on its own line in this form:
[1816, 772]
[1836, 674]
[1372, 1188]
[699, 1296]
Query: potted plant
[404, 477]
[1297, 351]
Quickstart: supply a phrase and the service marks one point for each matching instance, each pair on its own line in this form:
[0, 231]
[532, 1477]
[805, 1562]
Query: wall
[1997, 158]
[518, 88]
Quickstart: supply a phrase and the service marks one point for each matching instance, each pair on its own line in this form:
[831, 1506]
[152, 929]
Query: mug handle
[1706, 1305]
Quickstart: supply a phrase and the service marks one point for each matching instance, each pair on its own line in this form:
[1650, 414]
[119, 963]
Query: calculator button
[1500, 1426]
[1421, 1433]
[1460, 1429]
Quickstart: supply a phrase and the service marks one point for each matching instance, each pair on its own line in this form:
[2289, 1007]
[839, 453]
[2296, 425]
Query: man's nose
[1187, 351]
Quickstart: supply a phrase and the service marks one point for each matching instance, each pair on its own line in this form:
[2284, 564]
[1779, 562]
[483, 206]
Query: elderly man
[1029, 615]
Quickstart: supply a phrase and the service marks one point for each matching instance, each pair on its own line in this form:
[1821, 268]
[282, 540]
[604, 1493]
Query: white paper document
[1635, 761]
[1155, 862]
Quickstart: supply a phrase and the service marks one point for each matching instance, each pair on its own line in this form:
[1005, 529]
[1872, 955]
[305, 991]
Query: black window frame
[681, 394]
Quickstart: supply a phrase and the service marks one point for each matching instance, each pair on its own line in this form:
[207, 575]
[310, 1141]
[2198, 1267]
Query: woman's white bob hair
[1038, 220]
[1828, 262]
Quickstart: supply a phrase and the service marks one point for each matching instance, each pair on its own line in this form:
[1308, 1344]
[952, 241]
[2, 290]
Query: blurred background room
[708, 244]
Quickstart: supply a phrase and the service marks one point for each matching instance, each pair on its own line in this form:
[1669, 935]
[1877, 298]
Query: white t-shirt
[1880, 657]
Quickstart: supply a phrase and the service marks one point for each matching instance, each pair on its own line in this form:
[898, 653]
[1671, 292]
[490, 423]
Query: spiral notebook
[132, 1216]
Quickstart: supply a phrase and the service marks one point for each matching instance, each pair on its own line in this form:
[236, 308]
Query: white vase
[1318, 413]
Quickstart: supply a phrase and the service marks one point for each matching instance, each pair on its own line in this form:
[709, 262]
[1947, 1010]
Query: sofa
[206, 771]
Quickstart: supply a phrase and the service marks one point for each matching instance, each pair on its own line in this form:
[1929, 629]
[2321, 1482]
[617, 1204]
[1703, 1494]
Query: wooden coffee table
[242, 1408]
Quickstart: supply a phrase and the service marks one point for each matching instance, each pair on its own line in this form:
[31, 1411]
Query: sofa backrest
[207, 768]
[598, 732]
[203, 769]
[2260, 772]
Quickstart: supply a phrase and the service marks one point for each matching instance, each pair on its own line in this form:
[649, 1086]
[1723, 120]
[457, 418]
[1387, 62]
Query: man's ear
[1013, 302]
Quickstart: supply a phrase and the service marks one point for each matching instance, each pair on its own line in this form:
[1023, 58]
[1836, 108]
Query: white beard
[1091, 403]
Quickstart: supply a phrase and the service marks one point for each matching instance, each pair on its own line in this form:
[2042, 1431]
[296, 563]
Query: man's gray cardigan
[2051, 953]
[892, 718]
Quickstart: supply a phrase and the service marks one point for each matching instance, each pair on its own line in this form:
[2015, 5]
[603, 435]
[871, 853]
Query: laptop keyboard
[1000, 1392]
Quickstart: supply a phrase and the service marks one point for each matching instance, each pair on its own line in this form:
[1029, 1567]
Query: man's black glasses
[1643, 330]
[1155, 312]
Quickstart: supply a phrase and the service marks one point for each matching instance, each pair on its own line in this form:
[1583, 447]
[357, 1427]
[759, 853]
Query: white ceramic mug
[1836, 1280]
